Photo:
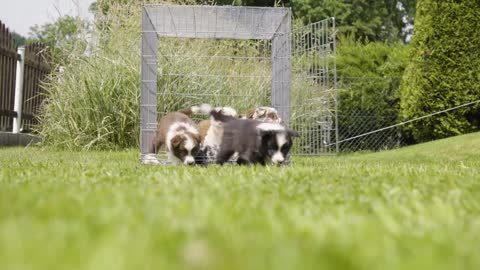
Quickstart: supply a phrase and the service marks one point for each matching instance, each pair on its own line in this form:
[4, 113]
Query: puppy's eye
[285, 147]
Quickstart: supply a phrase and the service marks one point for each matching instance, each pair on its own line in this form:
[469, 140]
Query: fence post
[17, 121]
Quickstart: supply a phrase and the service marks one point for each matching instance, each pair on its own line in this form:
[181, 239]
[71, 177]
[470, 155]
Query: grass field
[412, 208]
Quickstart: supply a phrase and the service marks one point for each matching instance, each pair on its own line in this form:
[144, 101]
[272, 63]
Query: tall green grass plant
[93, 102]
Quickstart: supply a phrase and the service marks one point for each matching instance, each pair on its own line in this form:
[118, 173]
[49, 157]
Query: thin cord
[406, 122]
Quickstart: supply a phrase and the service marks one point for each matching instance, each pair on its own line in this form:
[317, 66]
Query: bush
[369, 76]
[93, 99]
[93, 103]
[444, 69]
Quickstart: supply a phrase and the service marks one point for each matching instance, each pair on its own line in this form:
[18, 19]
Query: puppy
[255, 142]
[177, 132]
[200, 109]
[211, 133]
[210, 130]
[264, 114]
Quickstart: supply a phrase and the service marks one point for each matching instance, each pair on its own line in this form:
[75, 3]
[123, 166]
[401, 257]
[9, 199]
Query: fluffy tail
[202, 109]
[219, 116]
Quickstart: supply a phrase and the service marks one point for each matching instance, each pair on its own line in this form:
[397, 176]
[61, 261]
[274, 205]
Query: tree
[258, 3]
[376, 20]
[61, 33]
[19, 39]
[444, 69]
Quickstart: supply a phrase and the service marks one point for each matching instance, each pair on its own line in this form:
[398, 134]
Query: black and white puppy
[255, 142]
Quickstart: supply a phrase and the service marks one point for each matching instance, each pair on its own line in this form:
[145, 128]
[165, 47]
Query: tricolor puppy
[254, 141]
[264, 114]
[211, 133]
[177, 132]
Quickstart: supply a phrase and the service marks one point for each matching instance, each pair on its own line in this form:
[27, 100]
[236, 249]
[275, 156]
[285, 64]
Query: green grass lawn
[412, 208]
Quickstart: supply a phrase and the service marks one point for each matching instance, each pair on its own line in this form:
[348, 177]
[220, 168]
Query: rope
[406, 122]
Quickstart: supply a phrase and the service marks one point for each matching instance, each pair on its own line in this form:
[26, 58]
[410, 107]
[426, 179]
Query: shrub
[93, 99]
[444, 69]
[369, 77]
[93, 103]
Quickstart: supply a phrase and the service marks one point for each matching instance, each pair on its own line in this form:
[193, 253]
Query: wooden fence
[8, 66]
[36, 70]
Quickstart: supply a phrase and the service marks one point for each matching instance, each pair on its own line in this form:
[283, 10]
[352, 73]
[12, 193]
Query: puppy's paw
[150, 159]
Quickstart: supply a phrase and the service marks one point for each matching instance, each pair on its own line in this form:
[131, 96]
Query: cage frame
[273, 24]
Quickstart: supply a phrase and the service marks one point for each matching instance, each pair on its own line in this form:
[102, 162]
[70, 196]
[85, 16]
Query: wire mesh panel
[217, 21]
[314, 88]
[221, 72]
[234, 56]
[367, 106]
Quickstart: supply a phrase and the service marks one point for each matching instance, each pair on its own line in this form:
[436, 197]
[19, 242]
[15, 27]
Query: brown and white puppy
[211, 133]
[180, 136]
[263, 114]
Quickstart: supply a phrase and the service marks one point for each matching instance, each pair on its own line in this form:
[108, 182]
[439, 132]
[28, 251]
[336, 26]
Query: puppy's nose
[279, 161]
[278, 158]
[189, 160]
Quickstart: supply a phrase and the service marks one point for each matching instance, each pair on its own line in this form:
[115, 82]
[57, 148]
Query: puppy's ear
[176, 141]
[197, 138]
[261, 113]
[266, 134]
[272, 115]
[292, 133]
[249, 114]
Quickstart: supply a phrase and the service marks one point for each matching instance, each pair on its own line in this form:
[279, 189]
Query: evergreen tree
[444, 69]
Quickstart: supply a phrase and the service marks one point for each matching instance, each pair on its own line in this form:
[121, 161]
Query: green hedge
[369, 77]
[444, 69]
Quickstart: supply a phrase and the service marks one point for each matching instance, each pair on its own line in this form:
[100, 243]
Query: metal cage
[314, 88]
[242, 57]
